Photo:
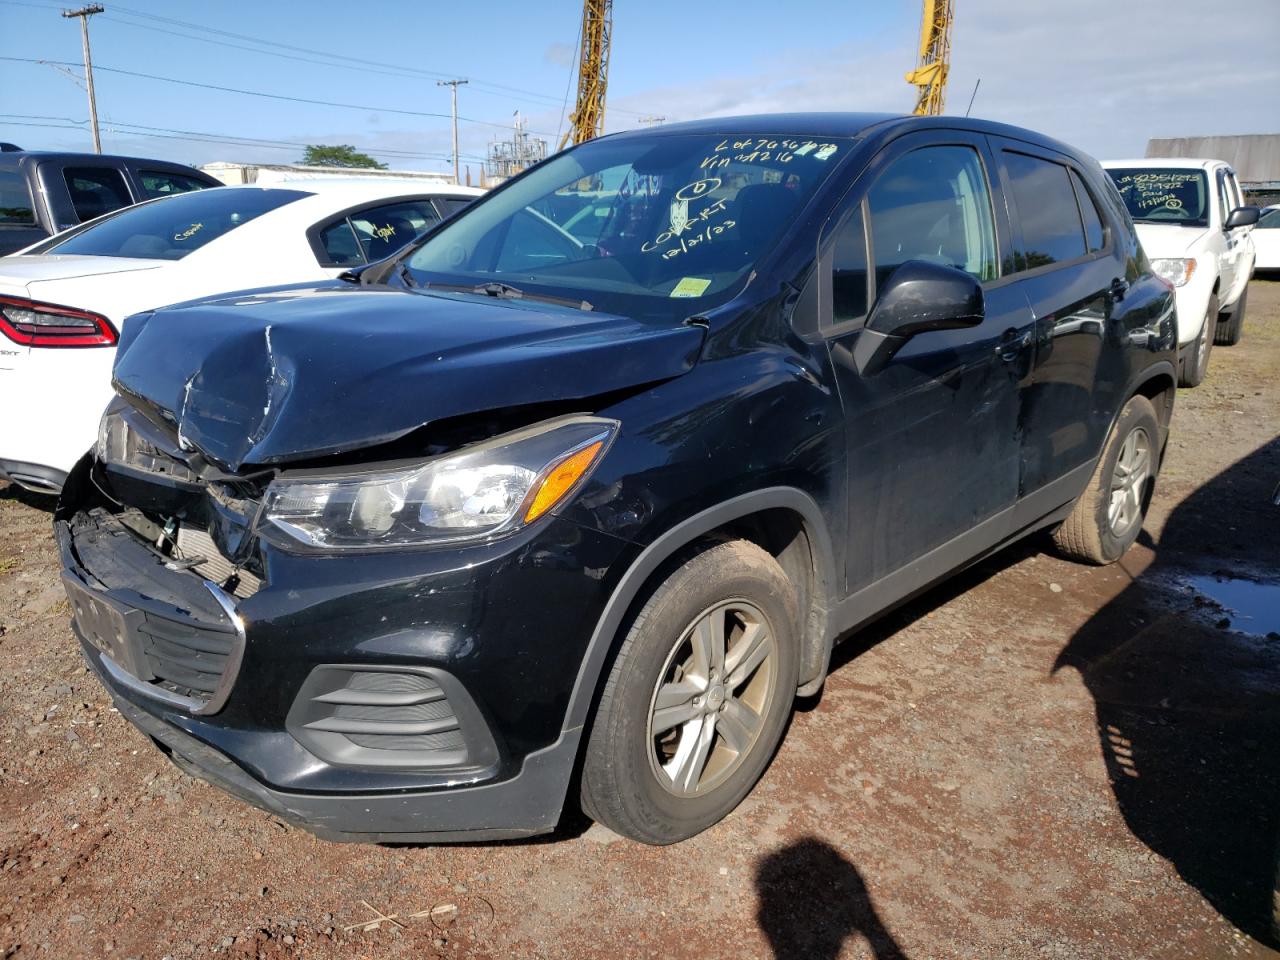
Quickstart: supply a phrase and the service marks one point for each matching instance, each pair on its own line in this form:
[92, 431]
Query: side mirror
[1242, 217]
[918, 297]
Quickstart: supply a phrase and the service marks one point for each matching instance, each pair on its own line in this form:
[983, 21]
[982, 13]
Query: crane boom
[930, 75]
[587, 120]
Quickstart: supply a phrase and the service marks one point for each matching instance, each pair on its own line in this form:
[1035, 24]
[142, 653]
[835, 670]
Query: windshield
[635, 225]
[1157, 195]
[170, 228]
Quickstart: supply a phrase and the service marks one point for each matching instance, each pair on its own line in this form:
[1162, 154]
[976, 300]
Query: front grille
[389, 716]
[186, 658]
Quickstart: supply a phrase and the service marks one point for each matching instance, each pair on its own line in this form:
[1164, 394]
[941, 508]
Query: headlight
[129, 441]
[473, 494]
[1175, 270]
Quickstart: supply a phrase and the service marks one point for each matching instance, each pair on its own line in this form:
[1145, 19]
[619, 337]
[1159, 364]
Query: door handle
[1013, 343]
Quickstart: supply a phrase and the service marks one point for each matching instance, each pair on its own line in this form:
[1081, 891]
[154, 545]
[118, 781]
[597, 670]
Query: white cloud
[1104, 75]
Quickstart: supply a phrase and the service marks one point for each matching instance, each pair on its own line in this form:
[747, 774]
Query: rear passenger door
[1067, 266]
[932, 438]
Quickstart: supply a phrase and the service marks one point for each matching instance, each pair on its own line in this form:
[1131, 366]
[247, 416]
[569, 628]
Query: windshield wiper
[505, 291]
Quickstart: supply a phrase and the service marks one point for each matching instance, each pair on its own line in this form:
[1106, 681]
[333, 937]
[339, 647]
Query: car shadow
[45, 502]
[812, 899]
[1188, 704]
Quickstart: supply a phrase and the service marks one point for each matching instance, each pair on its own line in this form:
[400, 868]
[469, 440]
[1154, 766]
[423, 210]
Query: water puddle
[1254, 606]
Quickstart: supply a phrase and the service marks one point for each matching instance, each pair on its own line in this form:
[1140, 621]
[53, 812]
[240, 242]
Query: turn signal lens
[561, 479]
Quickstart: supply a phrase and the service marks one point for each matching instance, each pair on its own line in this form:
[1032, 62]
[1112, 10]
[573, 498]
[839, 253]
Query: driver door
[933, 447]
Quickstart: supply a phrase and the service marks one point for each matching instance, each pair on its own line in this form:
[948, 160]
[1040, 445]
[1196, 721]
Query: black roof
[856, 125]
[13, 156]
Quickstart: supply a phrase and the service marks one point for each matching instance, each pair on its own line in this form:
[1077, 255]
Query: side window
[1094, 234]
[340, 244]
[96, 190]
[15, 198]
[1237, 198]
[932, 204]
[384, 230]
[849, 271]
[1052, 231]
[451, 205]
[155, 184]
[1224, 199]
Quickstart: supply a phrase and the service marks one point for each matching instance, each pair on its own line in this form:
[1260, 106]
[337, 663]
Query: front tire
[1109, 514]
[1229, 331]
[697, 699]
[1197, 365]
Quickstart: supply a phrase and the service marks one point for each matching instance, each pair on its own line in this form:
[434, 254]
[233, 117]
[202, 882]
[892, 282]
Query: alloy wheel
[712, 697]
[1129, 483]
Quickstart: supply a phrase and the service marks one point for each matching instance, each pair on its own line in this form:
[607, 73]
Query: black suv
[43, 193]
[581, 488]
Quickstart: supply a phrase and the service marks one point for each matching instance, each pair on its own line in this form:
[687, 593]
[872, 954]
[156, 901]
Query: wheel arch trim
[817, 639]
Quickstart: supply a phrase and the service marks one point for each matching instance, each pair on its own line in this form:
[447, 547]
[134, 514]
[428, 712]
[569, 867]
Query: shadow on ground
[812, 899]
[37, 501]
[1188, 705]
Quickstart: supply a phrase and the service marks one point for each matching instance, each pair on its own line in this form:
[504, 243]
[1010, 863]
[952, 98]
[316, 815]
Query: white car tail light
[35, 324]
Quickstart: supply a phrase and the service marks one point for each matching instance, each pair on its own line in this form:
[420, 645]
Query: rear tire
[679, 738]
[1229, 331]
[1109, 514]
[1197, 365]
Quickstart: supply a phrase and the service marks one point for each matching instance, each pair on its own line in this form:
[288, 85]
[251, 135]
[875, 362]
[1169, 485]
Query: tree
[339, 155]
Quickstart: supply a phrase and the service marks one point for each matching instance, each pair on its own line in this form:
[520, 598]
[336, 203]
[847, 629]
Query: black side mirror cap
[1242, 217]
[918, 297]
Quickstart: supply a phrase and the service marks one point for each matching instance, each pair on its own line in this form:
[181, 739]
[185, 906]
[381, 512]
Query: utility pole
[651, 121]
[453, 84]
[84, 13]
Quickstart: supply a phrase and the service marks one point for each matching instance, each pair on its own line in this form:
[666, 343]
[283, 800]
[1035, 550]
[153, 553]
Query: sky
[1103, 75]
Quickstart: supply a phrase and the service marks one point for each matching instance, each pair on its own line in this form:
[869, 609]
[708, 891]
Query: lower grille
[186, 659]
[389, 716]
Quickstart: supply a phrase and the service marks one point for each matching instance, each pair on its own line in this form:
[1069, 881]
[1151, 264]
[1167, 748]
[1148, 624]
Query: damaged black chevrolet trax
[568, 502]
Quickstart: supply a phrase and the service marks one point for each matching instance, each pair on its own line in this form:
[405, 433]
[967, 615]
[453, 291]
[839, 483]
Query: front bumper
[476, 649]
[524, 805]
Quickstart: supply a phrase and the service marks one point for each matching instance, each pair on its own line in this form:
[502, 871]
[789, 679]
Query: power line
[197, 136]
[359, 64]
[270, 96]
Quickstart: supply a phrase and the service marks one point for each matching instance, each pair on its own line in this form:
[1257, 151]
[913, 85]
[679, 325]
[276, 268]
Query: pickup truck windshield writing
[1160, 195]
[635, 225]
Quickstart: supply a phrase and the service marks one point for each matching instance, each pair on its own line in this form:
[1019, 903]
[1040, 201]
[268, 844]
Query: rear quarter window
[15, 199]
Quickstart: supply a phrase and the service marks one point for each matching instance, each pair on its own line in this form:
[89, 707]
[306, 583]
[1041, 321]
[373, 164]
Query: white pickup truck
[1194, 225]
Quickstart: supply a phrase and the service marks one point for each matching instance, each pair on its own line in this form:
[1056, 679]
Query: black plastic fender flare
[817, 638]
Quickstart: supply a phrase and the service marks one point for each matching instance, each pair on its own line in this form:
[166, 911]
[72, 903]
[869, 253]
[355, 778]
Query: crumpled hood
[1168, 240]
[294, 373]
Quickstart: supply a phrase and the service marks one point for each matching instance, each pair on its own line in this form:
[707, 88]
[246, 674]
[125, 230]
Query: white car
[62, 301]
[1266, 239]
[1194, 225]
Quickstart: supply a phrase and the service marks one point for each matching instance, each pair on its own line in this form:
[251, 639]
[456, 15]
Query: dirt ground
[1037, 759]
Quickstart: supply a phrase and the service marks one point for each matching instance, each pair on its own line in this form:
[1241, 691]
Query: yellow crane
[930, 75]
[587, 120]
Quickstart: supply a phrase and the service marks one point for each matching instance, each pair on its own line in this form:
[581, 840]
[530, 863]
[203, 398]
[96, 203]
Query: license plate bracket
[109, 627]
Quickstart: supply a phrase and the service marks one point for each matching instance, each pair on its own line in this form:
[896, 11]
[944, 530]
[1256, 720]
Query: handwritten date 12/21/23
[765, 150]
